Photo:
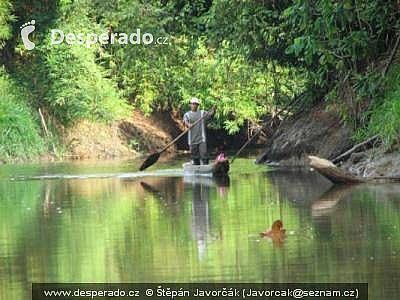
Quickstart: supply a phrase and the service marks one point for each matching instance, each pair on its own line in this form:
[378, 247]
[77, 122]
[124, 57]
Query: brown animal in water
[277, 234]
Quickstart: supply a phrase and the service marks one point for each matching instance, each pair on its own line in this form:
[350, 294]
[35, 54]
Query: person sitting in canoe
[197, 138]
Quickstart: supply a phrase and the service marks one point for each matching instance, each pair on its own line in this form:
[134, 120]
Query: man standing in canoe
[197, 138]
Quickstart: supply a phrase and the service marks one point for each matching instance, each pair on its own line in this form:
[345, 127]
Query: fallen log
[346, 154]
[339, 176]
[333, 173]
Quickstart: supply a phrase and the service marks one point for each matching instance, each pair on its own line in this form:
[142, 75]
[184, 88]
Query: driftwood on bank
[340, 176]
[346, 154]
[333, 173]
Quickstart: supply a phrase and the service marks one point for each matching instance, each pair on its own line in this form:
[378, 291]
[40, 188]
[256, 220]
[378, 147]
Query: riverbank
[129, 137]
[133, 136]
[125, 138]
[137, 135]
[320, 132]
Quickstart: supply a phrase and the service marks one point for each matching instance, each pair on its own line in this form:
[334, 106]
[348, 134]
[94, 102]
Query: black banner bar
[164, 291]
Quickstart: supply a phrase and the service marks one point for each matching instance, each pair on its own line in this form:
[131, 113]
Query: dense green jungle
[250, 58]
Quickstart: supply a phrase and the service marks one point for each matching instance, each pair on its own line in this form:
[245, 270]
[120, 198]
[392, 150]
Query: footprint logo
[26, 29]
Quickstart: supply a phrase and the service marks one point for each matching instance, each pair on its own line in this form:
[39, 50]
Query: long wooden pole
[43, 123]
[245, 144]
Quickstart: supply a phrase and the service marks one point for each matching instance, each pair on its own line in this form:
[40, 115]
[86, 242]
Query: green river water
[102, 222]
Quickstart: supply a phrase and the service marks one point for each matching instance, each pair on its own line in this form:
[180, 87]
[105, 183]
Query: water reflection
[350, 231]
[299, 185]
[182, 230]
[200, 214]
[326, 205]
[328, 201]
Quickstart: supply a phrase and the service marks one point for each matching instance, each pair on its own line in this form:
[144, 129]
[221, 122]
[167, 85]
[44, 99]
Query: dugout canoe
[216, 169]
[339, 176]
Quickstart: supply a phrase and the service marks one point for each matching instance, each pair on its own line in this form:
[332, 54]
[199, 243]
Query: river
[103, 222]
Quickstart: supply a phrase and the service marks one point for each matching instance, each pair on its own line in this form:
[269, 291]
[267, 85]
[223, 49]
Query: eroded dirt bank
[137, 135]
[320, 132]
[317, 132]
[126, 138]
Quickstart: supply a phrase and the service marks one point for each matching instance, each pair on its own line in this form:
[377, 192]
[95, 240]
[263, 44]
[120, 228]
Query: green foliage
[139, 69]
[385, 115]
[385, 121]
[166, 76]
[252, 28]
[247, 57]
[78, 87]
[242, 88]
[337, 42]
[332, 37]
[19, 133]
[5, 18]
[332, 44]
[67, 80]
